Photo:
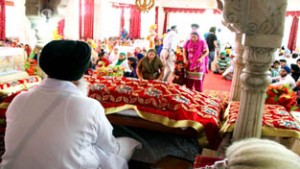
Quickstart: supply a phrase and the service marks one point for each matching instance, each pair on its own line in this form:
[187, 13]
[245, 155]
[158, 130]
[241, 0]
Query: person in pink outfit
[195, 52]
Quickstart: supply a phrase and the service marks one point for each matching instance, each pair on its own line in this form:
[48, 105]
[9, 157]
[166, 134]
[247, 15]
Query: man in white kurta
[55, 125]
[285, 78]
[167, 55]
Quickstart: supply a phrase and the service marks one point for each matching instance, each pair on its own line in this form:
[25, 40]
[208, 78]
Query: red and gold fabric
[277, 121]
[18, 85]
[170, 105]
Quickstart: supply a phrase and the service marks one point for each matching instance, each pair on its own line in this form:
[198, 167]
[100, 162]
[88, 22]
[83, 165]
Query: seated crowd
[31, 114]
[285, 70]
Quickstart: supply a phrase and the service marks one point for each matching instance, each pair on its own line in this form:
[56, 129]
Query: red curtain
[184, 10]
[2, 20]
[135, 23]
[156, 16]
[293, 34]
[166, 22]
[292, 13]
[122, 20]
[86, 19]
[61, 27]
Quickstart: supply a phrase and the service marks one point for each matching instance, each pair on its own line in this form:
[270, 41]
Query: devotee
[114, 54]
[55, 125]
[295, 72]
[102, 59]
[27, 49]
[179, 73]
[132, 63]
[139, 56]
[258, 154]
[212, 42]
[228, 73]
[285, 78]
[167, 54]
[275, 69]
[294, 58]
[195, 27]
[283, 63]
[195, 53]
[122, 61]
[137, 50]
[222, 63]
[34, 54]
[298, 62]
[150, 67]
[124, 34]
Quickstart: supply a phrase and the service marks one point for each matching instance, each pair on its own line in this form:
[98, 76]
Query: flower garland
[282, 95]
[110, 71]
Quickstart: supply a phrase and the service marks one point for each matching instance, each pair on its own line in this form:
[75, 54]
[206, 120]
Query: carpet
[216, 82]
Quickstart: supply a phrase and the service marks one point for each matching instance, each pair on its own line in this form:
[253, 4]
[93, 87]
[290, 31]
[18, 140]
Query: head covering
[152, 50]
[295, 67]
[65, 59]
[123, 53]
[282, 60]
[260, 154]
[194, 25]
[173, 27]
[287, 69]
[133, 60]
[223, 53]
[139, 56]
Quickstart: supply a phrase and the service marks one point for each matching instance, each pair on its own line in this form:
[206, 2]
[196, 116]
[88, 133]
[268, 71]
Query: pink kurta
[196, 70]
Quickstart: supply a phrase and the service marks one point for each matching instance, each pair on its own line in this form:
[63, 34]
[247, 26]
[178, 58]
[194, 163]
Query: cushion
[127, 147]
[277, 121]
[168, 104]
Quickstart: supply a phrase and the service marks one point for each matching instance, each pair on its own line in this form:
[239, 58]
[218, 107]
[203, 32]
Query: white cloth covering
[76, 134]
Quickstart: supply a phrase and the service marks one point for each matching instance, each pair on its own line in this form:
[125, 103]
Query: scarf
[195, 50]
[119, 62]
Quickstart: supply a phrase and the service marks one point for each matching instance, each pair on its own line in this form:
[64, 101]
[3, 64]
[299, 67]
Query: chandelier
[144, 5]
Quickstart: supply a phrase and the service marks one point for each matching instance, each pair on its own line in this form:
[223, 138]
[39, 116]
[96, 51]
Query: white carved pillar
[262, 24]
[239, 65]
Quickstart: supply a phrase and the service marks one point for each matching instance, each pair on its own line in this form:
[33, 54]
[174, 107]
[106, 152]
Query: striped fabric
[194, 75]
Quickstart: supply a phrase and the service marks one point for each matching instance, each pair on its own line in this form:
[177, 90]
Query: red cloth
[2, 20]
[166, 102]
[135, 23]
[293, 13]
[86, 22]
[274, 117]
[202, 161]
[293, 34]
[60, 27]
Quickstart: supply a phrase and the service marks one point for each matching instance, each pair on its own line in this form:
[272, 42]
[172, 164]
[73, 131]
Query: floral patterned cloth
[170, 105]
[277, 121]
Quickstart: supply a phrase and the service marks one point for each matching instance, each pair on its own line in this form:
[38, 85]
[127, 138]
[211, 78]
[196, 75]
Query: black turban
[65, 59]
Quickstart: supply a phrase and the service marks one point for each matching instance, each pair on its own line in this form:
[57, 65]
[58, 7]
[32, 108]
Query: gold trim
[4, 105]
[267, 131]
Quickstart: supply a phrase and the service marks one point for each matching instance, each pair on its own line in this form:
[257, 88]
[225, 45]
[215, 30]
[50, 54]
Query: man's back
[210, 41]
[68, 133]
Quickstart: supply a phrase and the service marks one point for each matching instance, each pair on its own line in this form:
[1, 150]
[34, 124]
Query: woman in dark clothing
[295, 70]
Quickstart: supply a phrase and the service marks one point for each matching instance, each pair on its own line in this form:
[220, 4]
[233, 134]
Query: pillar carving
[239, 65]
[261, 23]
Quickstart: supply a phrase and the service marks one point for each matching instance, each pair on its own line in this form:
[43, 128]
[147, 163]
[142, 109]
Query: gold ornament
[144, 5]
